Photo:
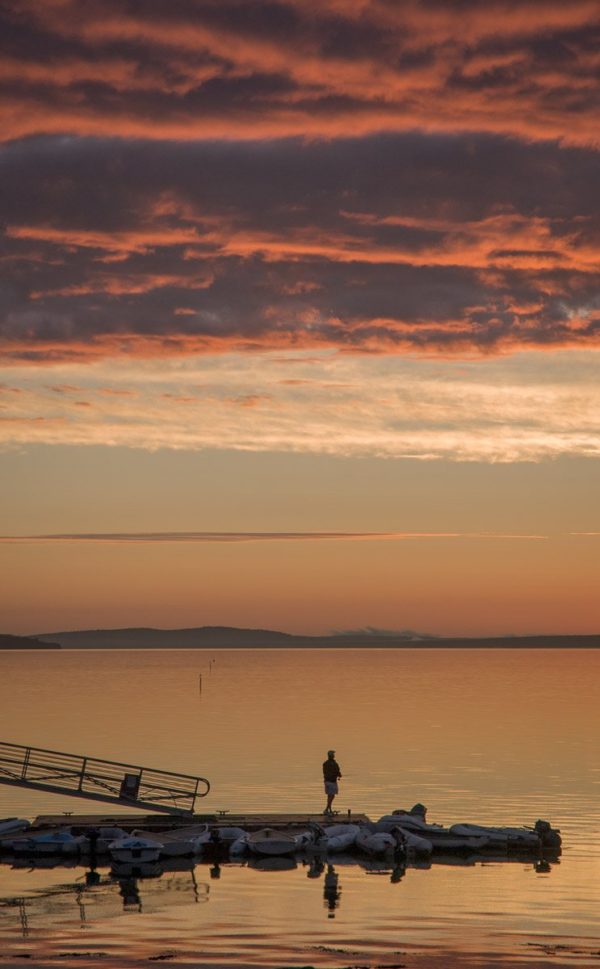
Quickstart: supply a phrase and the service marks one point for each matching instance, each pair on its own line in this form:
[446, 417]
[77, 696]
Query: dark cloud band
[388, 243]
[233, 537]
[189, 69]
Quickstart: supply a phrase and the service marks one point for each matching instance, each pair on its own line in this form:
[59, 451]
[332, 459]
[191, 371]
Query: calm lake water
[493, 736]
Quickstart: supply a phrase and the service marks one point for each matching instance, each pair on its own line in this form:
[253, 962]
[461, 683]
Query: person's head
[331, 754]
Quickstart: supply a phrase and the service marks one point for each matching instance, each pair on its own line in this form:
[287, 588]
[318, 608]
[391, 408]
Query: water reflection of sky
[375, 900]
[502, 737]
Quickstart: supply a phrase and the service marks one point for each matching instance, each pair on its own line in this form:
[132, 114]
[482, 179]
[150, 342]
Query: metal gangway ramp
[100, 780]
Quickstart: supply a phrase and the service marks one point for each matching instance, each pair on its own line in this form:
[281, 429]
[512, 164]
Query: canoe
[268, 841]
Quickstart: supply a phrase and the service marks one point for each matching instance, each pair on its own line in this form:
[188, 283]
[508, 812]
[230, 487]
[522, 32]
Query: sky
[299, 315]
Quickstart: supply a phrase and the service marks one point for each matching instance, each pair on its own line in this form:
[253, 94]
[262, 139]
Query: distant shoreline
[223, 637]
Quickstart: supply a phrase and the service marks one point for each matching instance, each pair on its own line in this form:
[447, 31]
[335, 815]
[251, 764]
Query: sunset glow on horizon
[300, 319]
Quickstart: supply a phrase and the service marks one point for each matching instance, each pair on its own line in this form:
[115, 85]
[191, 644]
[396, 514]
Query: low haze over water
[492, 736]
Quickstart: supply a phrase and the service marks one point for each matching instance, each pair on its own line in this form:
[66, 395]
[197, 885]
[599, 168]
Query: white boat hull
[135, 851]
[272, 842]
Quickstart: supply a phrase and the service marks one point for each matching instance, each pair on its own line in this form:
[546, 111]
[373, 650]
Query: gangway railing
[100, 780]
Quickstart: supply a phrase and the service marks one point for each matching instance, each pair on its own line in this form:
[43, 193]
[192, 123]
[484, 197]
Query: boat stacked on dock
[178, 842]
[133, 849]
[338, 837]
[270, 841]
[11, 826]
[398, 834]
[49, 843]
[440, 838]
[471, 837]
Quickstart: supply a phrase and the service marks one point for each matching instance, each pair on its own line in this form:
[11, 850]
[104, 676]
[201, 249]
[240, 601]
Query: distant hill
[204, 637]
[7, 641]
[228, 637]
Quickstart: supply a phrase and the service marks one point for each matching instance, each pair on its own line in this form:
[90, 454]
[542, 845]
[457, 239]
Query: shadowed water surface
[494, 736]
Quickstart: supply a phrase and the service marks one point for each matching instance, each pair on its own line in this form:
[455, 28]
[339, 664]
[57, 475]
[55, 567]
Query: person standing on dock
[331, 773]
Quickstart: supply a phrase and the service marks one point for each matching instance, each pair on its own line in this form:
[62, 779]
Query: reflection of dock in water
[107, 895]
[153, 887]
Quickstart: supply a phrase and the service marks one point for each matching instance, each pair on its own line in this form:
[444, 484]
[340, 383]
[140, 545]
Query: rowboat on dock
[269, 841]
[134, 850]
[10, 826]
[62, 843]
[178, 842]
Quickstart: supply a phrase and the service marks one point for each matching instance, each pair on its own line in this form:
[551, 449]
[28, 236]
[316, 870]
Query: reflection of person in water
[128, 890]
[331, 891]
[316, 868]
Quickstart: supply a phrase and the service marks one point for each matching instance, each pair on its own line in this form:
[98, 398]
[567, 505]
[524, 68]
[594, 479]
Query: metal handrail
[81, 776]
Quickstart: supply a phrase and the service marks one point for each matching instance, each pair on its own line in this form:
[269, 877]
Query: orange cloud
[520, 68]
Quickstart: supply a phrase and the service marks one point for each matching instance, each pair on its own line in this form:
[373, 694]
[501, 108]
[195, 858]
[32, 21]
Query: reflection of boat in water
[133, 869]
[41, 861]
[273, 863]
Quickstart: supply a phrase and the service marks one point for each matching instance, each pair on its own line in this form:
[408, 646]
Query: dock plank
[155, 822]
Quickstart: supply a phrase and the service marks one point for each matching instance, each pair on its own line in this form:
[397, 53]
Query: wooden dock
[154, 822]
